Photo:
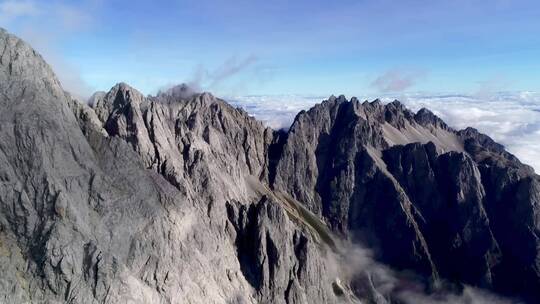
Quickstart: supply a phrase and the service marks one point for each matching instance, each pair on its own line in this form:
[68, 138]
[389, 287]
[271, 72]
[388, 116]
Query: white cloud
[276, 111]
[356, 263]
[11, 10]
[469, 295]
[512, 119]
[396, 80]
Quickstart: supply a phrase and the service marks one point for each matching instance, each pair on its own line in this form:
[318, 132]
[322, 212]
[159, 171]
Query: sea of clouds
[510, 118]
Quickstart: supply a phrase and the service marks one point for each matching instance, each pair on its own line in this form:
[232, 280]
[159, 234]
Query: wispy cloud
[397, 80]
[276, 111]
[205, 79]
[231, 67]
[11, 10]
[378, 283]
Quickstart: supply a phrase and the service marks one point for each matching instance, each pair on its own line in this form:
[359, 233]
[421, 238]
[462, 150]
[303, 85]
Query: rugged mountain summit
[427, 197]
[126, 202]
[181, 198]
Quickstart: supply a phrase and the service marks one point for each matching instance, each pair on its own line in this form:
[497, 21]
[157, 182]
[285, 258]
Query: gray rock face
[181, 198]
[126, 202]
[458, 207]
[277, 258]
[189, 141]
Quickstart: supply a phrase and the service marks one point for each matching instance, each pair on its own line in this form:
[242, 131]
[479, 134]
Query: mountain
[449, 204]
[181, 198]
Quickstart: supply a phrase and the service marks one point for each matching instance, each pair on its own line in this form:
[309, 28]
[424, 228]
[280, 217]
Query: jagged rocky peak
[489, 153]
[444, 190]
[397, 115]
[139, 210]
[394, 113]
[22, 63]
[173, 135]
[94, 98]
[428, 119]
[379, 125]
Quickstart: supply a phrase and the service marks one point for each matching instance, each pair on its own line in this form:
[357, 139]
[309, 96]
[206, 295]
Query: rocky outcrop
[188, 141]
[277, 258]
[447, 192]
[125, 201]
[447, 207]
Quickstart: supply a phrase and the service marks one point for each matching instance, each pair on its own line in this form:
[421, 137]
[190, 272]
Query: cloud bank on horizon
[284, 47]
[511, 118]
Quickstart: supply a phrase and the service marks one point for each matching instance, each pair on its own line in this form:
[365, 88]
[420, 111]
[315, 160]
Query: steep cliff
[449, 204]
[127, 202]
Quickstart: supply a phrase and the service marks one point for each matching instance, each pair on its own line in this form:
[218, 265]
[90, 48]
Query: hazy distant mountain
[182, 198]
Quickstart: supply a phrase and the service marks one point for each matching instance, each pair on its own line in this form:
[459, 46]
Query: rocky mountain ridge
[185, 199]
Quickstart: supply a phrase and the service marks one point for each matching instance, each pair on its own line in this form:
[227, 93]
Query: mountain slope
[457, 207]
[94, 210]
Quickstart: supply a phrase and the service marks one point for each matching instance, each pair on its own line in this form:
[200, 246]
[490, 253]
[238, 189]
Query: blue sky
[286, 47]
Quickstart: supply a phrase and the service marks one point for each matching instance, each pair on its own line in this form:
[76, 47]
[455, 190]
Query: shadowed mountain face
[182, 198]
[450, 204]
